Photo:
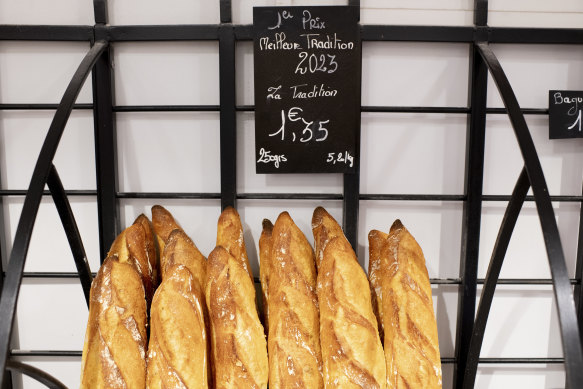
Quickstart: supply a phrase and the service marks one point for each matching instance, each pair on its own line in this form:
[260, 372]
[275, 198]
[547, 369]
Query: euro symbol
[293, 114]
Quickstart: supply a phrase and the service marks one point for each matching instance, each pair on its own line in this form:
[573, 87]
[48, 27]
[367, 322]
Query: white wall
[402, 153]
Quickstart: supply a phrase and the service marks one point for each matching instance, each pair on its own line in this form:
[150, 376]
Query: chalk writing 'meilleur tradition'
[312, 41]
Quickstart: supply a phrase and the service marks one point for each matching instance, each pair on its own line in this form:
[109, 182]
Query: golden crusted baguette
[376, 241]
[132, 246]
[179, 348]
[324, 228]
[265, 244]
[411, 345]
[114, 352]
[163, 223]
[151, 247]
[295, 359]
[180, 249]
[238, 346]
[230, 236]
[352, 352]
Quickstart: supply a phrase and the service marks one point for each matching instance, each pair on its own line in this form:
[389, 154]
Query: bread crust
[131, 246]
[163, 223]
[230, 237]
[180, 249]
[179, 347]
[376, 241]
[324, 228]
[114, 351]
[411, 343]
[295, 359]
[239, 349]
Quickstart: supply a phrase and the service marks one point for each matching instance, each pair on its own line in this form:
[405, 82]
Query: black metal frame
[470, 327]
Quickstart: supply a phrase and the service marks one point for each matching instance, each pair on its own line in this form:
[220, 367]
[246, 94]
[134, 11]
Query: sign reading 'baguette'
[307, 64]
[565, 109]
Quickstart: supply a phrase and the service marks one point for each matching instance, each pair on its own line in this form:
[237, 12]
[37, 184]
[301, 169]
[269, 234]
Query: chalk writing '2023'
[322, 63]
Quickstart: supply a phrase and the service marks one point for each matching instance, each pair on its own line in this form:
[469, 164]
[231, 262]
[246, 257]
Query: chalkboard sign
[307, 63]
[565, 114]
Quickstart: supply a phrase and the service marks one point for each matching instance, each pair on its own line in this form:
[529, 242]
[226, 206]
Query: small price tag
[307, 63]
[565, 114]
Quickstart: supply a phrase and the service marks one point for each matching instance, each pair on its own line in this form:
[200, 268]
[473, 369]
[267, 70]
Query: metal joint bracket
[101, 33]
[482, 34]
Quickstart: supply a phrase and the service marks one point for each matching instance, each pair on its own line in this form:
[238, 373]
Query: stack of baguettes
[318, 309]
[204, 326]
[144, 258]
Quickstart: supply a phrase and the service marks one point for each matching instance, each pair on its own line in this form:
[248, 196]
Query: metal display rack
[470, 325]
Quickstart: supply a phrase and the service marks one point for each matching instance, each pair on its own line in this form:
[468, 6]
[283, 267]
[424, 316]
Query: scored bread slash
[376, 241]
[151, 246]
[265, 244]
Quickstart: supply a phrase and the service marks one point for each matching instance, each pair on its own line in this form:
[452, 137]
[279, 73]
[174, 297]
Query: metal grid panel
[228, 35]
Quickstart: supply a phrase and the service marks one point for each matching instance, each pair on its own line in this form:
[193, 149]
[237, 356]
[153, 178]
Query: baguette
[178, 352]
[411, 344]
[239, 350]
[376, 241]
[265, 244]
[131, 246]
[351, 348]
[295, 359]
[352, 353]
[115, 340]
[230, 236]
[324, 228]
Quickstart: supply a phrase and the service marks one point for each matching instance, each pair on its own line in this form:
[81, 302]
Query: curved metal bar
[33, 372]
[70, 226]
[498, 254]
[42, 169]
[571, 338]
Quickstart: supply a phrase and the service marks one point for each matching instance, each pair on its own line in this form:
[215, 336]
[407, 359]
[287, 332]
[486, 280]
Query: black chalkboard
[565, 108]
[307, 63]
